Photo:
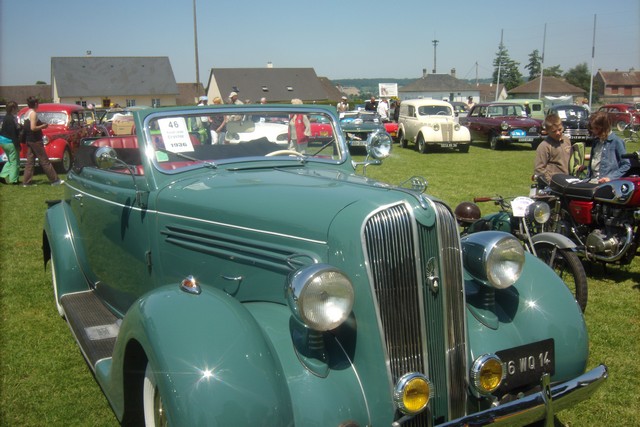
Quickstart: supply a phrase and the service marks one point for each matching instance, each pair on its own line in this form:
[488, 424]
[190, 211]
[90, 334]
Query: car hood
[517, 121]
[299, 202]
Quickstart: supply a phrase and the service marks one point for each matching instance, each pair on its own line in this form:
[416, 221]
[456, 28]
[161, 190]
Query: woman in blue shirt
[606, 162]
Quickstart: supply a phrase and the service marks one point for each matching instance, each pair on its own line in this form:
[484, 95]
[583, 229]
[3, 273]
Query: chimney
[424, 73]
[453, 72]
[269, 64]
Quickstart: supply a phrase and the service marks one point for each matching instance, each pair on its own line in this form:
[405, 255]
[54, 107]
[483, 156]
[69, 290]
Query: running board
[93, 325]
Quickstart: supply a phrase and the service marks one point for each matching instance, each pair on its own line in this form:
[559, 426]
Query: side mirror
[105, 157]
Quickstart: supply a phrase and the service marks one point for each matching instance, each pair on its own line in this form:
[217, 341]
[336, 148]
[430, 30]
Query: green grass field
[45, 381]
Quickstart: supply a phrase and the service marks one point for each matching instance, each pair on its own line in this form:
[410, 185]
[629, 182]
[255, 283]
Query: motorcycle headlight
[494, 258]
[320, 296]
[539, 212]
[504, 125]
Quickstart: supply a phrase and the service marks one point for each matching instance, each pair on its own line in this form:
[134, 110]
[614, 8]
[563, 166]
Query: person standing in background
[10, 130]
[33, 138]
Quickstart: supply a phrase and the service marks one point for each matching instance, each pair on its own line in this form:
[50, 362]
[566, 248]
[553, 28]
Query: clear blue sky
[339, 39]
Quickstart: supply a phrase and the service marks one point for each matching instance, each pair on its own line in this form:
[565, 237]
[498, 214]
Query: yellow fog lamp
[487, 373]
[412, 393]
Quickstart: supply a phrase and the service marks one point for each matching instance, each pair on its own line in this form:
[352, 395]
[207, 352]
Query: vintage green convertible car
[257, 281]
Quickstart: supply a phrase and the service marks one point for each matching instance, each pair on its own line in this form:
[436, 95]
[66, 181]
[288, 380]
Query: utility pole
[435, 44]
[499, 63]
[195, 38]
[544, 41]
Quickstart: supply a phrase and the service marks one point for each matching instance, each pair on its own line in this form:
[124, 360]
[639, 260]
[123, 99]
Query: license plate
[526, 364]
[448, 145]
[526, 139]
[516, 133]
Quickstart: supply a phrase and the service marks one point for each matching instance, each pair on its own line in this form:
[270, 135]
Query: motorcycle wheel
[568, 266]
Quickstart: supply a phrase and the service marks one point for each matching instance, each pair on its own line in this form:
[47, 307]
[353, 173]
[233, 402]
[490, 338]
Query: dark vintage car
[620, 115]
[575, 120]
[68, 124]
[245, 283]
[359, 125]
[501, 124]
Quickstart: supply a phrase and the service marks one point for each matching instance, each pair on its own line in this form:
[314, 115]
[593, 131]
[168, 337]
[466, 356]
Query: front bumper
[542, 405]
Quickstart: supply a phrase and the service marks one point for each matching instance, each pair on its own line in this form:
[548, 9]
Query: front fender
[212, 361]
[555, 239]
[58, 243]
[55, 148]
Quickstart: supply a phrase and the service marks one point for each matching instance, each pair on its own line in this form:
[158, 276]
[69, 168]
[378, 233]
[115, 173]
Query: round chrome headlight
[436, 127]
[539, 212]
[412, 393]
[504, 125]
[456, 127]
[494, 258]
[487, 373]
[379, 145]
[320, 296]
[45, 140]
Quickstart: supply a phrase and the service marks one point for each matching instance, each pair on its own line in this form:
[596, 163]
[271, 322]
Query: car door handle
[78, 197]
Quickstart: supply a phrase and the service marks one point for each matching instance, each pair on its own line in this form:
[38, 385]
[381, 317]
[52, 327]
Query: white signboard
[387, 90]
[175, 134]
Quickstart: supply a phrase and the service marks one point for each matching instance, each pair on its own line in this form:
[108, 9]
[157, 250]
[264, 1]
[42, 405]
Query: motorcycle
[525, 218]
[601, 219]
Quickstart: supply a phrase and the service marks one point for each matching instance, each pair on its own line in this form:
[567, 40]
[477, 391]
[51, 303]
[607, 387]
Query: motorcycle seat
[569, 185]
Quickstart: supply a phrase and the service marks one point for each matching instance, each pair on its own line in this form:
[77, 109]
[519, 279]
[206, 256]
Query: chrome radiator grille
[422, 324]
[446, 130]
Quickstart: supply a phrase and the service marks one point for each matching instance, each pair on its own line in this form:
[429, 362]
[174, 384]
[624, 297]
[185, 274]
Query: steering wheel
[441, 113]
[284, 152]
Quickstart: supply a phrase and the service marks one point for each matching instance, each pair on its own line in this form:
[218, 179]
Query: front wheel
[401, 140]
[494, 143]
[568, 266]
[421, 145]
[621, 125]
[154, 412]
[65, 163]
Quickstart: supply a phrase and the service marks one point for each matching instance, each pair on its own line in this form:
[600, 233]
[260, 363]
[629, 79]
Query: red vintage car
[620, 115]
[501, 124]
[68, 124]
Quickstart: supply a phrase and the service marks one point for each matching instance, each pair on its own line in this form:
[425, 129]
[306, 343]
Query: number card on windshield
[175, 134]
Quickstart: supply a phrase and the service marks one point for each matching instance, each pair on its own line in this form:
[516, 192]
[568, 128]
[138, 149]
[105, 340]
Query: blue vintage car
[262, 281]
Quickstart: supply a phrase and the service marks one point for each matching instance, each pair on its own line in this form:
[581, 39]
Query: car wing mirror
[107, 157]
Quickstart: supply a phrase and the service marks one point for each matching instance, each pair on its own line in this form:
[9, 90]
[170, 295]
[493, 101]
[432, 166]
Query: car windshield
[191, 139]
[573, 113]
[53, 117]
[506, 110]
[434, 110]
[360, 116]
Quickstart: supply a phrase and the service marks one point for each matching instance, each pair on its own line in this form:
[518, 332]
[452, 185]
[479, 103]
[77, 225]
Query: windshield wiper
[206, 163]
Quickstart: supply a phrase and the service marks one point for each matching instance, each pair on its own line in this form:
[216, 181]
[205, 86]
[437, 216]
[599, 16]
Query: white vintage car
[429, 123]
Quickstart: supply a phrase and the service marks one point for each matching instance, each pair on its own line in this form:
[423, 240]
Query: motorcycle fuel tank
[581, 211]
[618, 191]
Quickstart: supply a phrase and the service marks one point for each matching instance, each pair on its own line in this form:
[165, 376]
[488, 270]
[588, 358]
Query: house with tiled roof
[20, 93]
[492, 92]
[618, 86]
[552, 87]
[107, 81]
[276, 84]
[439, 86]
